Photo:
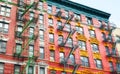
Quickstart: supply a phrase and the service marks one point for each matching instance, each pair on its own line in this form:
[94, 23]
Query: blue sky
[109, 6]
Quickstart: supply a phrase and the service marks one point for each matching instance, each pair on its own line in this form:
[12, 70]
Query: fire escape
[109, 39]
[67, 42]
[27, 39]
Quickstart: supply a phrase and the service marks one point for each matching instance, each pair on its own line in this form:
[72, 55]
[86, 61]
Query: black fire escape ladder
[75, 68]
[70, 34]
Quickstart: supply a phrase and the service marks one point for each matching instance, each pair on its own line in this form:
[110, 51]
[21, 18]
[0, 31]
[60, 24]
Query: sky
[109, 6]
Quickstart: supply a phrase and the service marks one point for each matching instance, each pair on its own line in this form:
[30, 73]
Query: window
[42, 52]
[41, 34]
[50, 22]
[60, 39]
[52, 55]
[18, 48]
[67, 27]
[19, 28]
[59, 23]
[42, 70]
[52, 72]
[82, 45]
[41, 19]
[113, 51]
[17, 69]
[103, 36]
[31, 32]
[31, 15]
[62, 56]
[95, 47]
[30, 70]
[63, 72]
[49, 9]
[21, 2]
[19, 14]
[40, 5]
[51, 37]
[72, 59]
[92, 33]
[3, 27]
[66, 14]
[69, 42]
[77, 17]
[118, 67]
[89, 21]
[100, 23]
[31, 51]
[85, 61]
[2, 46]
[111, 66]
[1, 68]
[98, 63]
[57, 9]
[107, 50]
[5, 11]
[79, 30]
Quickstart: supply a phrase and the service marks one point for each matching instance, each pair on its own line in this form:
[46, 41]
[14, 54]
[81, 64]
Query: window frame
[2, 67]
[92, 33]
[31, 51]
[79, 30]
[3, 27]
[52, 55]
[4, 43]
[5, 12]
[51, 37]
[98, 63]
[42, 53]
[62, 56]
[49, 9]
[50, 22]
[31, 69]
[111, 66]
[15, 67]
[85, 61]
[72, 58]
[95, 48]
[89, 21]
[82, 45]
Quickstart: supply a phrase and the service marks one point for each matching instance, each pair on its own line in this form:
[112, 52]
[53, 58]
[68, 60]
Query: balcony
[64, 43]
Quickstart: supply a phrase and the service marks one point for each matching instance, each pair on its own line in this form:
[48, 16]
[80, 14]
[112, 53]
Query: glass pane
[42, 70]
[1, 24]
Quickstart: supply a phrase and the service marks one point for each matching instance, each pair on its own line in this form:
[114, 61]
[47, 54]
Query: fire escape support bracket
[75, 68]
[30, 6]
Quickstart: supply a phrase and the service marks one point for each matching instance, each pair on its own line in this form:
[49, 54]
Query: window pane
[67, 27]
[17, 69]
[72, 59]
[52, 56]
[41, 34]
[42, 70]
[61, 56]
[50, 22]
[30, 70]
[1, 68]
[31, 51]
[51, 38]
[2, 46]
[41, 53]
[18, 48]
